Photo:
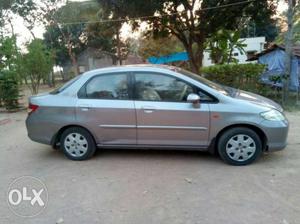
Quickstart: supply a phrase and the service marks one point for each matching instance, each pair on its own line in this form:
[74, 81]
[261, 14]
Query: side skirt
[166, 147]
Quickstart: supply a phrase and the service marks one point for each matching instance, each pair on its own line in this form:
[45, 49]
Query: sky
[25, 36]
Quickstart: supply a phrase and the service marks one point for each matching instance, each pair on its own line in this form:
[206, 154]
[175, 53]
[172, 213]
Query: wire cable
[158, 16]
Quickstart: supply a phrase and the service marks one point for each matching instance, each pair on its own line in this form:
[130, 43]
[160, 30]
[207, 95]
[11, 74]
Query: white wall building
[254, 45]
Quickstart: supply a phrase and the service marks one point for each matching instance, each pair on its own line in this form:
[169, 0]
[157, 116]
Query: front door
[164, 117]
[105, 108]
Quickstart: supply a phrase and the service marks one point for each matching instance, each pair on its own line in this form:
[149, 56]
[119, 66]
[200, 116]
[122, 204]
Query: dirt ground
[132, 186]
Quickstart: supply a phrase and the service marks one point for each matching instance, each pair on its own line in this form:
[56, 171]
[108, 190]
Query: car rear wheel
[77, 144]
[239, 146]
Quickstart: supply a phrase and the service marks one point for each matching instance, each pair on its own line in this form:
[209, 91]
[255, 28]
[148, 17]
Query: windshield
[220, 88]
[66, 85]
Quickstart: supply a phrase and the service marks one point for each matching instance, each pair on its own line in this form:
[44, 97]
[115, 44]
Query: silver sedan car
[144, 106]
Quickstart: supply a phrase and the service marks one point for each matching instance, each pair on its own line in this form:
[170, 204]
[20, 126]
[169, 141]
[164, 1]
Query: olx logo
[27, 196]
[23, 196]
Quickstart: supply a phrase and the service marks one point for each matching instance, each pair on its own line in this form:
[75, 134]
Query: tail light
[32, 108]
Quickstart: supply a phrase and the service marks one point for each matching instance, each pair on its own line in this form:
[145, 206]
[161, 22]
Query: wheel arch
[56, 138]
[259, 131]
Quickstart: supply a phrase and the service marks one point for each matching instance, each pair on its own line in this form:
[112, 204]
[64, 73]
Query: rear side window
[110, 86]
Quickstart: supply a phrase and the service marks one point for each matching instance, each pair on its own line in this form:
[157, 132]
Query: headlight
[273, 115]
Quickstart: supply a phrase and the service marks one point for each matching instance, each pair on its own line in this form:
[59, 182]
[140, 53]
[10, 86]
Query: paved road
[131, 187]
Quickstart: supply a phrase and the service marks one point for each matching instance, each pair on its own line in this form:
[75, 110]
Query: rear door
[105, 107]
[164, 117]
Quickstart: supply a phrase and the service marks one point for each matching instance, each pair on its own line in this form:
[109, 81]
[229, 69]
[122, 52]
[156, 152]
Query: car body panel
[257, 99]
[54, 112]
[171, 123]
[112, 121]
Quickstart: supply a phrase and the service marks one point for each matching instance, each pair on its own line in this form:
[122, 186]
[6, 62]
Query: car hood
[257, 99]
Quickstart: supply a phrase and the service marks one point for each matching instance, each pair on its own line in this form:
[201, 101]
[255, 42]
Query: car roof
[139, 67]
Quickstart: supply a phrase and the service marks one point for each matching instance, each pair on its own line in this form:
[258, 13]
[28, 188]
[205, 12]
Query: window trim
[196, 89]
[81, 94]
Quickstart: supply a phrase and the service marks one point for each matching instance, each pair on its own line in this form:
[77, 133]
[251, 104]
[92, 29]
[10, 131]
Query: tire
[77, 144]
[239, 146]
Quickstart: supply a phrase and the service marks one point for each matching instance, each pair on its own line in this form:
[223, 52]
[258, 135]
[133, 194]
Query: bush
[9, 92]
[240, 76]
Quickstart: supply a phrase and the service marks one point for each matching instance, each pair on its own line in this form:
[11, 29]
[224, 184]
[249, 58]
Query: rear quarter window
[65, 86]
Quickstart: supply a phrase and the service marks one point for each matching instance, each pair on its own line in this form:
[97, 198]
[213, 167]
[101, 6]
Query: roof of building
[295, 50]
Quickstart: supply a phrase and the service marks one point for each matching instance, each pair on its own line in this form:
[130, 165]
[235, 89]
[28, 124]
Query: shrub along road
[126, 186]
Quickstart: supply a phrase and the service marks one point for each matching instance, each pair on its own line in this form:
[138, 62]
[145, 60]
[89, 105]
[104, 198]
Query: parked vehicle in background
[146, 106]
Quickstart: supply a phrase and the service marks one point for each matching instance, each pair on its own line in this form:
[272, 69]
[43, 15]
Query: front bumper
[276, 133]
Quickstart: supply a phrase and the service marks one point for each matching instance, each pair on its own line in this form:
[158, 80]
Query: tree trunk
[195, 57]
[288, 51]
[75, 64]
[73, 60]
[50, 79]
[119, 47]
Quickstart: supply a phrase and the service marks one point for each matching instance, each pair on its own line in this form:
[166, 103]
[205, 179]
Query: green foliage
[64, 41]
[36, 64]
[9, 86]
[222, 44]
[241, 76]
[188, 22]
[9, 91]
[9, 56]
[157, 47]
[64, 35]
[266, 28]
[297, 24]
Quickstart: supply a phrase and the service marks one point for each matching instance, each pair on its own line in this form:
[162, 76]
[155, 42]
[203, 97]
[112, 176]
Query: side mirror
[194, 99]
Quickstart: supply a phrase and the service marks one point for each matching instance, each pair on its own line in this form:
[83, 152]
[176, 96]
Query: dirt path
[131, 186]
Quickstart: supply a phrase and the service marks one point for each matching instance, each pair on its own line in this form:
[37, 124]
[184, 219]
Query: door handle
[148, 109]
[84, 107]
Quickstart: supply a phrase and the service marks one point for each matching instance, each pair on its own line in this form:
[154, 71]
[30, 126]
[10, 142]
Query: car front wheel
[239, 146]
[77, 143]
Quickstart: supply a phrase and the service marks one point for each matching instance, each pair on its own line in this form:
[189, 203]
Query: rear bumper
[37, 131]
[276, 133]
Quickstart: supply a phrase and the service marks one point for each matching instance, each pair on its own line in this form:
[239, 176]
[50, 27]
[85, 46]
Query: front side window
[159, 87]
[220, 88]
[110, 86]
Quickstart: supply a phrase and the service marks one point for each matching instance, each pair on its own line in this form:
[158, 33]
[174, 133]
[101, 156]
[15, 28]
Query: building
[254, 45]
[92, 58]
[274, 58]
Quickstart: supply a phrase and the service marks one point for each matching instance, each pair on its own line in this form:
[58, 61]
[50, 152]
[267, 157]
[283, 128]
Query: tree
[5, 8]
[267, 28]
[222, 44]
[27, 9]
[192, 21]
[296, 25]
[9, 79]
[65, 30]
[36, 64]
[101, 36]
[157, 47]
[8, 53]
[118, 12]
[288, 49]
